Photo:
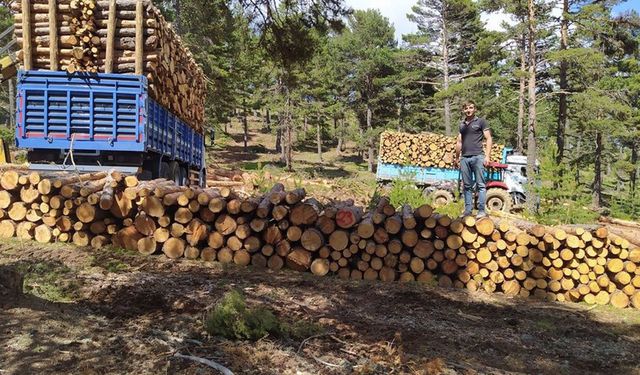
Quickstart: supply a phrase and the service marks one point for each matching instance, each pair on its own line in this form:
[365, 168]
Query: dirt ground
[121, 313]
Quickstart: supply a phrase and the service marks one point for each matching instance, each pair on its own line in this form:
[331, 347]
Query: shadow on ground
[133, 321]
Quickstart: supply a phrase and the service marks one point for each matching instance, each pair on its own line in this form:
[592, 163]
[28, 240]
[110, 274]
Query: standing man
[472, 158]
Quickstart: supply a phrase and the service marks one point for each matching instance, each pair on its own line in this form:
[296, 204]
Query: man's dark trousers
[471, 166]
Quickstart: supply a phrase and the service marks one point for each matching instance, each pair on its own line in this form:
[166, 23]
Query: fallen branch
[212, 364]
[326, 363]
[311, 338]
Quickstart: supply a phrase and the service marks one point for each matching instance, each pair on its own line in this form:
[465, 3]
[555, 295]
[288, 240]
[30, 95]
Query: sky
[396, 11]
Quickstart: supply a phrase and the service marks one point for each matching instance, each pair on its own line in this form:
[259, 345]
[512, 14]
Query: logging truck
[100, 121]
[505, 185]
[106, 84]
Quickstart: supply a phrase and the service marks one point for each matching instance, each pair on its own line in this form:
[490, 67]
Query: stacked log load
[283, 228]
[112, 36]
[423, 149]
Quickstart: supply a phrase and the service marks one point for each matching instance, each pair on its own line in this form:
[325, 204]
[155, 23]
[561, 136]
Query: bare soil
[134, 319]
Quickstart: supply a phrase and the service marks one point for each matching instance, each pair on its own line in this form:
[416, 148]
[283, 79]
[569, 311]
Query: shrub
[231, 318]
[404, 191]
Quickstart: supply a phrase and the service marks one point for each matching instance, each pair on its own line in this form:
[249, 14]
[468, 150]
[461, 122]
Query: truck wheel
[175, 173]
[441, 198]
[145, 175]
[498, 200]
[203, 178]
[164, 171]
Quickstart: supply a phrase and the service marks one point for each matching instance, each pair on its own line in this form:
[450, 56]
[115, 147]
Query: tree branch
[212, 364]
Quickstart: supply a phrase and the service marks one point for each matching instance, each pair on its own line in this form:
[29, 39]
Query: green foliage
[297, 60]
[7, 134]
[261, 179]
[562, 199]
[405, 191]
[451, 209]
[568, 212]
[233, 319]
[366, 52]
[625, 207]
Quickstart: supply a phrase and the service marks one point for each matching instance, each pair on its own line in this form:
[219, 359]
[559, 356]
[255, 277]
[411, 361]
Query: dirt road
[119, 313]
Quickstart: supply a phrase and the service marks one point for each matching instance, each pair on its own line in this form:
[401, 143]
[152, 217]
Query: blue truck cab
[92, 122]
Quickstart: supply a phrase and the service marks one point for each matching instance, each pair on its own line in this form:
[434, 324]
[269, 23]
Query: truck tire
[203, 178]
[498, 200]
[164, 171]
[441, 197]
[185, 176]
[175, 173]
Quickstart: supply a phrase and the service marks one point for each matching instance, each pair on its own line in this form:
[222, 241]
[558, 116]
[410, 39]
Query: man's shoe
[465, 214]
[481, 214]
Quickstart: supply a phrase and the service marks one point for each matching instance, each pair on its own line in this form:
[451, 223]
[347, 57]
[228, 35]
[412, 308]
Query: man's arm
[487, 154]
[458, 147]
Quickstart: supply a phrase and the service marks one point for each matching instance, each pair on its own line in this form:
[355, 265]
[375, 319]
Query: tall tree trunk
[577, 163]
[305, 127]
[400, 119]
[268, 120]
[445, 73]
[289, 138]
[562, 105]
[521, 94]
[340, 132]
[245, 125]
[634, 171]
[531, 138]
[319, 139]
[597, 168]
[361, 150]
[371, 142]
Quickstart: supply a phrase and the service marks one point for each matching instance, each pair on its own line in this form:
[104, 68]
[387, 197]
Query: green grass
[52, 282]
[566, 212]
[116, 266]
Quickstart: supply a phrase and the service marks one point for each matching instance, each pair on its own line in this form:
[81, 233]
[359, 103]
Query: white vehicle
[516, 177]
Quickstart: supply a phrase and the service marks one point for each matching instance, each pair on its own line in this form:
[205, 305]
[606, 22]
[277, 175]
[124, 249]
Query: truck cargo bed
[109, 113]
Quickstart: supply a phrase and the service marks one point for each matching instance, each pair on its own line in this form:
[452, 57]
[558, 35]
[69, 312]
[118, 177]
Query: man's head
[469, 108]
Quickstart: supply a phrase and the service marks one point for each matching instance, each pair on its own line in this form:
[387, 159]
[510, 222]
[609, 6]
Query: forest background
[559, 82]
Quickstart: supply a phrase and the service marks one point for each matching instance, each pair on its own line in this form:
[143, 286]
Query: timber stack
[112, 36]
[423, 149]
[283, 228]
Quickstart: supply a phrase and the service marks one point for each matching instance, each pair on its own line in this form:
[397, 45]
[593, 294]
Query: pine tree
[289, 34]
[367, 48]
[448, 30]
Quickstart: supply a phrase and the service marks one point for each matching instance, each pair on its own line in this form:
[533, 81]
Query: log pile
[287, 229]
[240, 181]
[112, 36]
[423, 149]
